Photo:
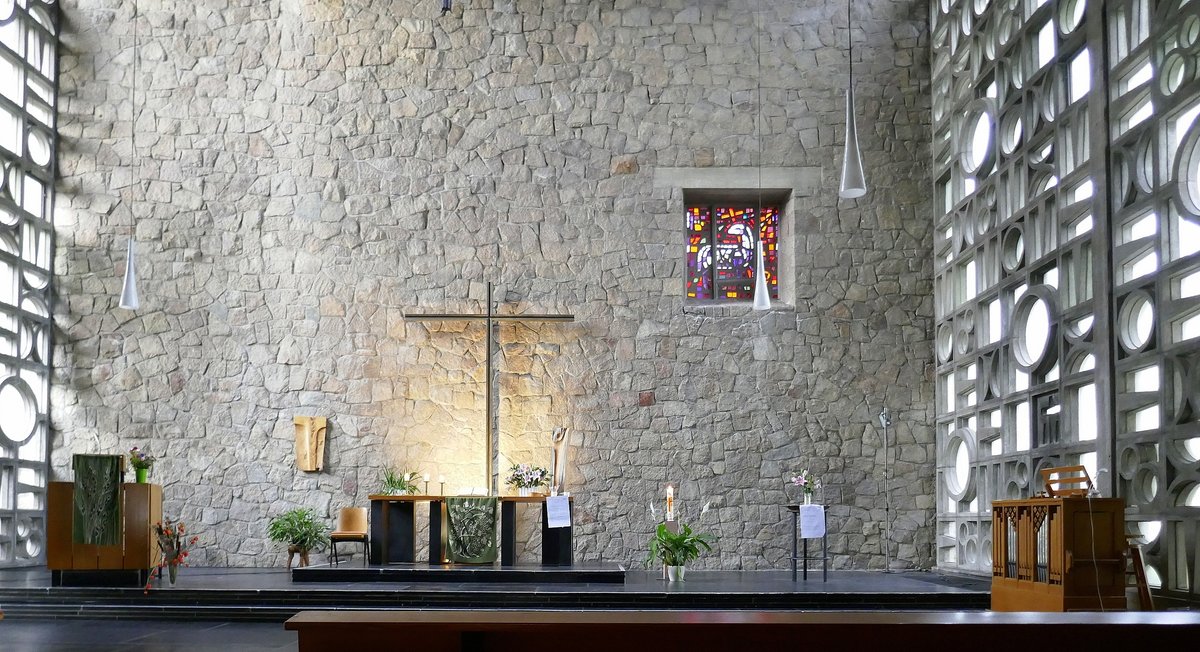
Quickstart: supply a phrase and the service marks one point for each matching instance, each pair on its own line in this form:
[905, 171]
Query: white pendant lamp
[854, 180]
[762, 293]
[129, 293]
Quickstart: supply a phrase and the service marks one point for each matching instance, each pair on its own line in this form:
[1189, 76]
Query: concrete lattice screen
[1067, 263]
[28, 111]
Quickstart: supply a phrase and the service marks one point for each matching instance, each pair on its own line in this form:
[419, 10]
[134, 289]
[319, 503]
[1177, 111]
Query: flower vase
[807, 498]
[141, 475]
[172, 571]
[524, 491]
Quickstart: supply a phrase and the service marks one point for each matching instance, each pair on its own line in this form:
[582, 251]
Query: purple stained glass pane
[699, 254]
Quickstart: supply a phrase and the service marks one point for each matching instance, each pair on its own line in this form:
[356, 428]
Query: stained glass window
[721, 251]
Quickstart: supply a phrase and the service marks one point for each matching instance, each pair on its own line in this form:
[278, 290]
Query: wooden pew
[604, 631]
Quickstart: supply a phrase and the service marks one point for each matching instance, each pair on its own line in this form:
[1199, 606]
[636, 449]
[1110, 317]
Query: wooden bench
[605, 631]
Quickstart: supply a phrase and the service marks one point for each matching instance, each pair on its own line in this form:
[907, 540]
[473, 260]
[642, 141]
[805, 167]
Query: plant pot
[141, 475]
[524, 491]
[675, 573]
[297, 550]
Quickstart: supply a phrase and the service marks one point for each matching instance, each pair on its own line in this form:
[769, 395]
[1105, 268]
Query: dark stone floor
[236, 609]
[79, 635]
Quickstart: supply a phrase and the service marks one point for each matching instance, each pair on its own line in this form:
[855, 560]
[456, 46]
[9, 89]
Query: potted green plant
[676, 549]
[397, 483]
[301, 531]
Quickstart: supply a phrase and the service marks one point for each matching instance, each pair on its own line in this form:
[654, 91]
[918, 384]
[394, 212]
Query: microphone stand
[885, 420]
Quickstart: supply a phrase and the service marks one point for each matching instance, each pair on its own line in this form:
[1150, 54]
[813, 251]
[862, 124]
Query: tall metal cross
[492, 321]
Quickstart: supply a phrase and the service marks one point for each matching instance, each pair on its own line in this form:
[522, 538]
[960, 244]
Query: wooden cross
[492, 321]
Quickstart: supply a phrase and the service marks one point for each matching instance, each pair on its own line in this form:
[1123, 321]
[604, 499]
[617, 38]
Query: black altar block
[556, 542]
[393, 529]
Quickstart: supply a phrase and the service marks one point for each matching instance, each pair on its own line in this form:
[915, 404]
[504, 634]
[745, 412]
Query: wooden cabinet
[1058, 554]
[141, 508]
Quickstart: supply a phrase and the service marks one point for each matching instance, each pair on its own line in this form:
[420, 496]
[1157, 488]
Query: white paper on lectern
[558, 511]
[812, 521]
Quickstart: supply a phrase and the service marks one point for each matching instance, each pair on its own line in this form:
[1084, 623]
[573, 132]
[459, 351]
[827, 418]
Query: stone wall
[305, 171]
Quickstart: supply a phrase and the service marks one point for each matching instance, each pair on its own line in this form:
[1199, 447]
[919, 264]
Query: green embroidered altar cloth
[471, 529]
[96, 507]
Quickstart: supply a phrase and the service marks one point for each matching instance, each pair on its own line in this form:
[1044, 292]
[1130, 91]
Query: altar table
[393, 530]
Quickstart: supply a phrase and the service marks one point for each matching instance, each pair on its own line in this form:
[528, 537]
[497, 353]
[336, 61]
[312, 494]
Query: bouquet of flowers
[525, 476]
[807, 482]
[138, 459]
[173, 542]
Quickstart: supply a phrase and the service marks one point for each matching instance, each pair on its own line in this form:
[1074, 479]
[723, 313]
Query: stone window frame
[779, 186]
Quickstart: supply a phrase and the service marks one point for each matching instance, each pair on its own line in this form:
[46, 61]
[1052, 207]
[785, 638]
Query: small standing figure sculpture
[558, 481]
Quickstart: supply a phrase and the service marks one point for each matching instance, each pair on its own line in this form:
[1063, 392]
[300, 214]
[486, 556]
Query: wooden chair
[1067, 481]
[352, 526]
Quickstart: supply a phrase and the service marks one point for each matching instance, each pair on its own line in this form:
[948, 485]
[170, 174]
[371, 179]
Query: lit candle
[670, 501]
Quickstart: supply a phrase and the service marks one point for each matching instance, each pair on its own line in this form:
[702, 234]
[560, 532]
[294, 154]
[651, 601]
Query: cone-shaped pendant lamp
[854, 180]
[129, 293]
[762, 293]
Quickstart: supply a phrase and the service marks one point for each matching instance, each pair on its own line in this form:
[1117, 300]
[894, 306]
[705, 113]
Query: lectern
[126, 563]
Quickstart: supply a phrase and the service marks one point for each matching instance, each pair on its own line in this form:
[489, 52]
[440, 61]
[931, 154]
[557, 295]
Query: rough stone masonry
[305, 171]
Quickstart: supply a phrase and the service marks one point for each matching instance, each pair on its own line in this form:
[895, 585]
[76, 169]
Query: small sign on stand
[558, 511]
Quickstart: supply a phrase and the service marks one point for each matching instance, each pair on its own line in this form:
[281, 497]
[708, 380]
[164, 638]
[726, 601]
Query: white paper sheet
[558, 511]
[812, 521]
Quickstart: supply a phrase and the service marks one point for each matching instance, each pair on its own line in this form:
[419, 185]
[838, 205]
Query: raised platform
[485, 574]
[602, 631]
[246, 594]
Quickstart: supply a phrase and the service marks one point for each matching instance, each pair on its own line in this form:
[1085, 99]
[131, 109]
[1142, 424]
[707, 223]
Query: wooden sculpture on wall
[310, 443]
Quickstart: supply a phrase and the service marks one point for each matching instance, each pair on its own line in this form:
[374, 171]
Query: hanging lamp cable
[850, 42]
